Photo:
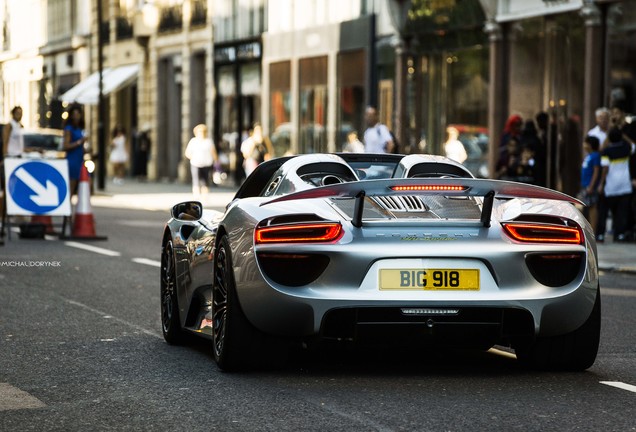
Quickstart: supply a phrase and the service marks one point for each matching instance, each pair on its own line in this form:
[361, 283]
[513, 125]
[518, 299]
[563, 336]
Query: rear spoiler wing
[468, 187]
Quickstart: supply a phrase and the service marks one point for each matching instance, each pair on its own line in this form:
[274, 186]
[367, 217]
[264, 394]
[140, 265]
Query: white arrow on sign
[44, 196]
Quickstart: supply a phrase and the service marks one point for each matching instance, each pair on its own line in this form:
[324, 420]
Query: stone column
[400, 126]
[498, 90]
[594, 79]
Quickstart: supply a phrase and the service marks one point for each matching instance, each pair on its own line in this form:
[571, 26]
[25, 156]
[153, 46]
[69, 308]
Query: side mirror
[187, 211]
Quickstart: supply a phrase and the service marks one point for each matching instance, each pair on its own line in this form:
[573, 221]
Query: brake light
[299, 233]
[539, 233]
[431, 188]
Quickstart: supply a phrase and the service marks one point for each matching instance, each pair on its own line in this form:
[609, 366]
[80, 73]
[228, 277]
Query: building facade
[564, 58]
[306, 69]
[238, 48]
[319, 66]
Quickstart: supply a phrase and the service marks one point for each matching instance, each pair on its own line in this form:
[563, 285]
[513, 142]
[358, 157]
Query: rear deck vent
[405, 203]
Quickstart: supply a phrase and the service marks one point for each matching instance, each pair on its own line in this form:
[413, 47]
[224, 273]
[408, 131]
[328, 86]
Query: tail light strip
[299, 233]
[542, 233]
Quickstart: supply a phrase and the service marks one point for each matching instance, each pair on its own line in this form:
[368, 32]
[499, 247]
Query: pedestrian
[74, 139]
[202, 154]
[12, 139]
[590, 177]
[118, 154]
[507, 169]
[512, 130]
[256, 149]
[377, 137]
[602, 116]
[530, 140]
[618, 119]
[525, 171]
[547, 132]
[12, 146]
[142, 152]
[616, 184]
[354, 145]
[453, 147]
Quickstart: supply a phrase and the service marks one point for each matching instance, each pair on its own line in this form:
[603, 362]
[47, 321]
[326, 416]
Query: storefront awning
[87, 91]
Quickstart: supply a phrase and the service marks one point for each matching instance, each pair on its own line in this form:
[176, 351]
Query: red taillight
[539, 233]
[299, 233]
[430, 188]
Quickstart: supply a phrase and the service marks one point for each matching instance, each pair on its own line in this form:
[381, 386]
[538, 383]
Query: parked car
[382, 249]
[43, 139]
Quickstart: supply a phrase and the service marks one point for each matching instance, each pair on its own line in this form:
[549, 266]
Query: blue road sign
[37, 187]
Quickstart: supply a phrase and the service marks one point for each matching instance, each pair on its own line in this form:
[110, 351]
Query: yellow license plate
[430, 279]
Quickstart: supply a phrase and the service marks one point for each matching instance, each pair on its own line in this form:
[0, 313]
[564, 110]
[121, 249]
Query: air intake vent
[402, 203]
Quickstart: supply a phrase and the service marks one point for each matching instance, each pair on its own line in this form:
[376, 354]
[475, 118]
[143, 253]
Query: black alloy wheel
[219, 301]
[170, 326]
[235, 340]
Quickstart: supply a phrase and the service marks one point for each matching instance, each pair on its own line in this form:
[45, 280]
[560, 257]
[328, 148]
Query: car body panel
[426, 237]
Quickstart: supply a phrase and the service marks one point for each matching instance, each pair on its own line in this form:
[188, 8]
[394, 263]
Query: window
[280, 127]
[351, 84]
[313, 105]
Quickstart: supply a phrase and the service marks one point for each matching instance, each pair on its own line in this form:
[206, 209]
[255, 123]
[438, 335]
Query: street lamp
[101, 138]
[146, 22]
[145, 25]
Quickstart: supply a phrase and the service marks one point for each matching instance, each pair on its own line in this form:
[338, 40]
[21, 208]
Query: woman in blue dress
[74, 139]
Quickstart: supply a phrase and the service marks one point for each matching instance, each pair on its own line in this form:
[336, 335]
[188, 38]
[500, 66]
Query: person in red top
[512, 130]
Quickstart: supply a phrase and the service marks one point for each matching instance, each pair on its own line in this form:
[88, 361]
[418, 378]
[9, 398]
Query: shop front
[238, 98]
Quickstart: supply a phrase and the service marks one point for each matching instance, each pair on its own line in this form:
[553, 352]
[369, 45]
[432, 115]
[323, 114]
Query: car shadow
[365, 360]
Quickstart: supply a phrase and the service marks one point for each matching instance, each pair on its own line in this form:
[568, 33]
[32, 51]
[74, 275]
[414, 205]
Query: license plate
[430, 279]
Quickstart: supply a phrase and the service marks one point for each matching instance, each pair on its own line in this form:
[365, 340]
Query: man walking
[377, 137]
[616, 185]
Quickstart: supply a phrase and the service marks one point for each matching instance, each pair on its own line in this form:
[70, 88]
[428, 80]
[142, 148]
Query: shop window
[351, 85]
[280, 127]
[313, 105]
[622, 51]
[226, 108]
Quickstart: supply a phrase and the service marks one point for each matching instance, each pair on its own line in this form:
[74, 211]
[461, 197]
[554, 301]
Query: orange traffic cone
[46, 221]
[84, 223]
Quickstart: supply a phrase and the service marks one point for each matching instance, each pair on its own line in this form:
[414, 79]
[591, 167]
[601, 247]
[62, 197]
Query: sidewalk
[157, 196]
[161, 196]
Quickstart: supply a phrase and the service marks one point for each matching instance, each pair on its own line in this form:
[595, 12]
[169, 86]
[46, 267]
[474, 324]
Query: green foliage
[446, 24]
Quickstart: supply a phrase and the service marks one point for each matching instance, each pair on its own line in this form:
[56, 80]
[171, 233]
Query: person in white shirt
[12, 134]
[354, 145]
[602, 125]
[202, 154]
[453, 147]
[118, 154]
[377, 137]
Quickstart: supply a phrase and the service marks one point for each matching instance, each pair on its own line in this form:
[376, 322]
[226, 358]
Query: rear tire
[575, 351]
[170, 324]
[235, 340]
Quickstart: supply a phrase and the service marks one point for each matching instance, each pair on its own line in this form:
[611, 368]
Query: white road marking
[12, 398]
[147, 261]
[620, 385]
[141, 223]
[90, 248]
[119, 320]
[618, 292]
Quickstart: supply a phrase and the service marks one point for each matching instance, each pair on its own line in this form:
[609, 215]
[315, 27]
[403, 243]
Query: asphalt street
[81, 349]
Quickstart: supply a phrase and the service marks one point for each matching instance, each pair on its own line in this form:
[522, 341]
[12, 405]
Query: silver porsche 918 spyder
[383, 249]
